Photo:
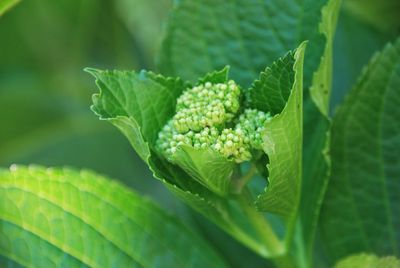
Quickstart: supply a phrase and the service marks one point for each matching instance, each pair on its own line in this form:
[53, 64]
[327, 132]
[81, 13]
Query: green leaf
[368, 261]
[216, 76]
[322, 77]
[316, 162]
[146, 99]
[5, 5]
[282, 142]
[207, 166]
[362, 204]
[64, 217]
[271, 91]
[208, 35]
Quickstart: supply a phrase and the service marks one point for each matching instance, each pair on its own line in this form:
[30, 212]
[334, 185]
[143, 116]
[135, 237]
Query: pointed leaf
[63, 217]
[216, 76]
[362, 204]
[283, 145]
[271, 91]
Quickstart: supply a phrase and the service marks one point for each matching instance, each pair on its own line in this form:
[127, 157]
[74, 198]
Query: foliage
[235, 121]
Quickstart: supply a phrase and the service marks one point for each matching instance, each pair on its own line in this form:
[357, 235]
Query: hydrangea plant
[231, 146]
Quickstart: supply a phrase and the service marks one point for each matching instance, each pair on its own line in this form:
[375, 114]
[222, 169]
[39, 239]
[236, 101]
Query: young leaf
[368, 261]
[145, 98]
[216, 76]
[63, 217]
[271, 91]
[282, 141]
[362, 204]
[207, 166]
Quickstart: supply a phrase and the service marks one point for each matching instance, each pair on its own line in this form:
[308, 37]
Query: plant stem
[271, 241]
[261, 226]
[243, 180]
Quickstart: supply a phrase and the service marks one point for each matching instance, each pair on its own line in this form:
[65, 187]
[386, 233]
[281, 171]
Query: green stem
[272, 243]
[243, 180]
[259, 223]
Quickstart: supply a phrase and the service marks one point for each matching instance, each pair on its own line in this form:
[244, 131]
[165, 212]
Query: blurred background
[45, 95]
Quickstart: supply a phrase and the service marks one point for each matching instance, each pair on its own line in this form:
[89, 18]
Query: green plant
[236, 124]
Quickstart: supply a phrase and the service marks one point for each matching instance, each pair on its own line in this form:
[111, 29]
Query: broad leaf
[207, 166]
[63, 217]
[207, 35]
[282, 141]
[363, 200]
[368, 261]
[6, 5]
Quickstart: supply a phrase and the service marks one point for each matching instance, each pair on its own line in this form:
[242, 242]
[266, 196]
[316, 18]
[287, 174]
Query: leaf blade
[113, 222]
[207, 166]
[365, 163]
[283, 145]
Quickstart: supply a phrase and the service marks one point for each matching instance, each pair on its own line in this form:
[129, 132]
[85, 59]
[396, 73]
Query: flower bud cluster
[251, 122]
[205, 129]
[206, 105]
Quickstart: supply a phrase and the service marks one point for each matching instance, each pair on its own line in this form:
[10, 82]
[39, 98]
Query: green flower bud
[206, 105]
[252, 123]
[202, 112]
